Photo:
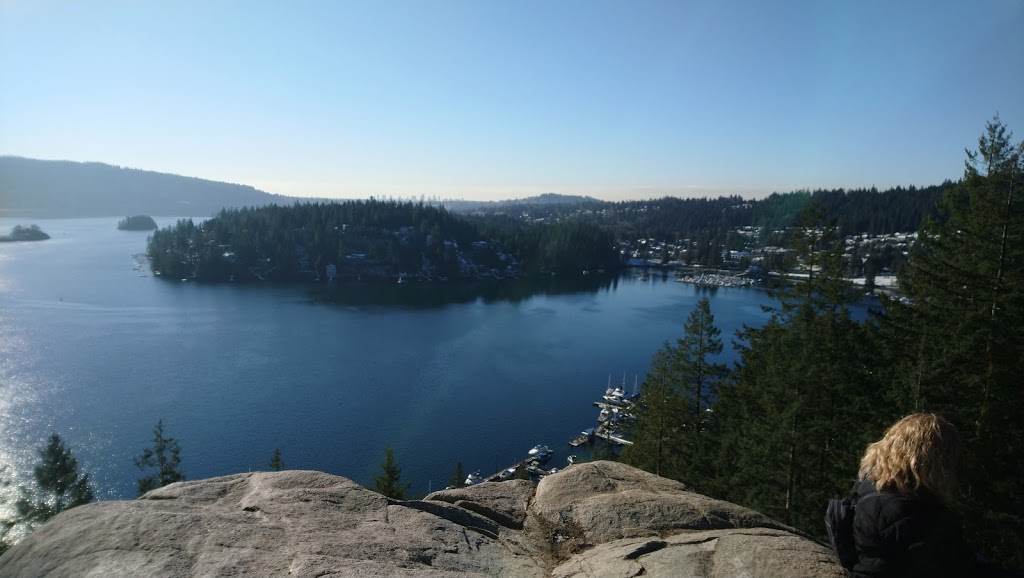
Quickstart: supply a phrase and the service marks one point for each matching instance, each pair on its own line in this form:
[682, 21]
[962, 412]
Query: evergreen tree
[389, 482]
[699, 376]
[165, 456]
[657, 433]
[59, 485]
[669, 435]
[960, 338]
[276, 463]
[458, 477]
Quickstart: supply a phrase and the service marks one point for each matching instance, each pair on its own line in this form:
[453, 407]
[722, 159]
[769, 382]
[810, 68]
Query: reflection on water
[429, 295]
[21, 394]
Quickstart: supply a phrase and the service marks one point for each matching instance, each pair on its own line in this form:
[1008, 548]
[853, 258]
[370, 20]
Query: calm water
[94, 351]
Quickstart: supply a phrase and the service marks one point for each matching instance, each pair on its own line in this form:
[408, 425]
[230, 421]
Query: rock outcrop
[594, 519]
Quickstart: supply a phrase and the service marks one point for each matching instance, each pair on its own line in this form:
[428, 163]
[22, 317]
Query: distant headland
[34, 188]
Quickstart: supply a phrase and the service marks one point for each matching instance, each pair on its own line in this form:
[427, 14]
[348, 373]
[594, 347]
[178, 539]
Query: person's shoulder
[887, 510]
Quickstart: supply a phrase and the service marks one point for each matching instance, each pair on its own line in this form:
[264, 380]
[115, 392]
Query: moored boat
[586, 436]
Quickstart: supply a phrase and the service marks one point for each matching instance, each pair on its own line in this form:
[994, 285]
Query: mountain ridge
[42, 188]
[57, 188]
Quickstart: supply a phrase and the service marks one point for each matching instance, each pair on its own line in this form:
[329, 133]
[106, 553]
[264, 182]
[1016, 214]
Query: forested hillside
[53, 189]
[854, 211]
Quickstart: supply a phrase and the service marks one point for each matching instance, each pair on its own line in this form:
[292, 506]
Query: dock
[612, 437]
[532, 465]
[616, 407]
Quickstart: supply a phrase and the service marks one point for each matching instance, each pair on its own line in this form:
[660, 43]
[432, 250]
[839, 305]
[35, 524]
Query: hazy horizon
[482, 101]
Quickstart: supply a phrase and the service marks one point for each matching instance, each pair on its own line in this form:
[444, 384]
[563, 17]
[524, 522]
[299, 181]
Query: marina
[616, 407]
[716, 280]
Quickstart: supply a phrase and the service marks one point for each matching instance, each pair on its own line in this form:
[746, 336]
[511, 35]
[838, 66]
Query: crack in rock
[646, 548]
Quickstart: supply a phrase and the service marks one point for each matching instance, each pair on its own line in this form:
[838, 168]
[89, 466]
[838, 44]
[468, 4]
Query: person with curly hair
[903, 525]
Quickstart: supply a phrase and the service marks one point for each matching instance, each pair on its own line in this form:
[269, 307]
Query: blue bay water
[93, 350]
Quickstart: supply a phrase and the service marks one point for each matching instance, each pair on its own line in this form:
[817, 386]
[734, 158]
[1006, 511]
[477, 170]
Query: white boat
[541, 453]
[617, 396]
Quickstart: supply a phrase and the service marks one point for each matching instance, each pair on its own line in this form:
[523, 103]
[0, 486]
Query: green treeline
[707, 227]
[367, 239]
[812, 387]
[390, 239]
[899, 209]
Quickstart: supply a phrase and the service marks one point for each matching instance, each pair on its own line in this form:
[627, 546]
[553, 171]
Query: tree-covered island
[372, 239]
[29, 233]
[137, 223]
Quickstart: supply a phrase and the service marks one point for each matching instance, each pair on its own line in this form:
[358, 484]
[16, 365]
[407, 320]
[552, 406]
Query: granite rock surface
[592, 519]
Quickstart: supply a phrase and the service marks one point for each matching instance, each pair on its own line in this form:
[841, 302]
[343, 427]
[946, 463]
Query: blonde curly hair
[921, 450]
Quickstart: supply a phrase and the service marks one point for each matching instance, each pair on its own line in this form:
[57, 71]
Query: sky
[488, 100]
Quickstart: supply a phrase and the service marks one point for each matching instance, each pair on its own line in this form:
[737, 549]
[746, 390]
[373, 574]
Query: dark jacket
[907, 536]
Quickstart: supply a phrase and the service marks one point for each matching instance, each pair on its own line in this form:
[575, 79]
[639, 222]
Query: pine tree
[669, 435]
[59, 485]
[458, 477]
[657, 433]
[960, 337]
[388, 483]
[165, 456]
[276, 463]
[699, 376]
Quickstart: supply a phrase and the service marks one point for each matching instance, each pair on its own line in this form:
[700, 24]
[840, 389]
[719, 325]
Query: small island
[19, 233]
[137, 223]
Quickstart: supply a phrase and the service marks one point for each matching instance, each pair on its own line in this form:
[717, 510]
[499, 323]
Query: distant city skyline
[495, 100]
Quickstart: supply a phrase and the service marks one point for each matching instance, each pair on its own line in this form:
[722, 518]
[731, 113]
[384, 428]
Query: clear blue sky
[486, 99]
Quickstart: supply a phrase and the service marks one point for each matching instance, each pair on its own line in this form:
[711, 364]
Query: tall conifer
[389, 482]
[458, 476]
[670, 432]
[960, 335]
[165, 456]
